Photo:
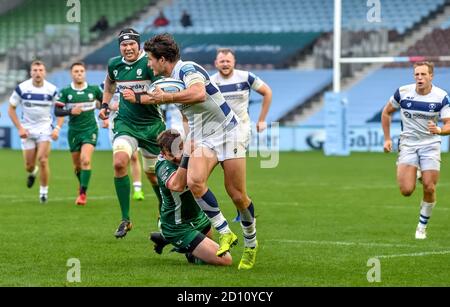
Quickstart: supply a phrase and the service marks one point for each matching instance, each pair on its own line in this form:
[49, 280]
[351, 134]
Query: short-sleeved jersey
[177, 207]
[36, 102]
[416, 110]
[86, 98]
[236, 90]
[138, 77]
[211, 116]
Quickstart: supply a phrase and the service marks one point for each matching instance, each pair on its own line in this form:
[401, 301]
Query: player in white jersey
[135, 165]
[421, 105]
[36, 96]
[235, 86]
[213, 132]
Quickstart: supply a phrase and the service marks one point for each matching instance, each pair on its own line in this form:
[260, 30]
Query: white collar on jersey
[139, 57]
[175, 68]
[72, 85]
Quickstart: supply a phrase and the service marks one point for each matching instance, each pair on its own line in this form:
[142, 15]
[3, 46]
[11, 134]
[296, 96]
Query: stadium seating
[436, 43]
[268, 16]
[290, 89]
[32, 16]
[368, 97]
[11, 79]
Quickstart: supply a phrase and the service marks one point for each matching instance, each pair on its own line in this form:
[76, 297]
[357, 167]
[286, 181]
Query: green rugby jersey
[137, 76]
[87, 98]
[177, 207]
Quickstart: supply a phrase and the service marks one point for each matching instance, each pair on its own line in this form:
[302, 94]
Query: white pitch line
[414, 254]
[409, 208]
[343, 243]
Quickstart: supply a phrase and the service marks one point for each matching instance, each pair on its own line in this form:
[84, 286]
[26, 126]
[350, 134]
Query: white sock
[249, 234]
[248, 225]
[137, 185]
[43, 190]
[220, 224]
[425, 213]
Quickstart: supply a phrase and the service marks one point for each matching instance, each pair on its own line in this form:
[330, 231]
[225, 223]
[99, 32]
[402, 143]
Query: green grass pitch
[319, 222]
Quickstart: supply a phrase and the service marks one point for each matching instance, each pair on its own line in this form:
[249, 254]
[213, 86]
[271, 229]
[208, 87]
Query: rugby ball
[168, 85]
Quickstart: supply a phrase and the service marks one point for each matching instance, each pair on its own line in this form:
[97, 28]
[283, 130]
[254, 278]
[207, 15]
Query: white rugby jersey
[236, 90]
[211, 116]
[36, 103]
[416, 110]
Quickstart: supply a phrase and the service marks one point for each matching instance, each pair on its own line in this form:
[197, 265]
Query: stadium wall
[367, 138]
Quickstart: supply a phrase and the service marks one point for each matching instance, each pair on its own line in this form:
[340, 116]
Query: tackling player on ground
[183, 223]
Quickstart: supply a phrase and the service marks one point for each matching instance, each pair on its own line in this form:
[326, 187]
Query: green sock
[158, 195]
[123, 194]
[78, 174]
[85, 175]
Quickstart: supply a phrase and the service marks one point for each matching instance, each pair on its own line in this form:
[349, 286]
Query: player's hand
[261, 126]
[129, 95]
[103, 114]
[156, 96]
[433, 128]
[105, 123]
[23, 133]
[55, 134]
[387, 146]
[76, 111]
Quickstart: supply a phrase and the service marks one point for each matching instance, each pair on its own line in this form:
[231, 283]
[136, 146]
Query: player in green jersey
[134, 125]
[78, 101]
[183, 223]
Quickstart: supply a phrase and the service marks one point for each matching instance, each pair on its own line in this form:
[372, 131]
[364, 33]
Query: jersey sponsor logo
[35, 104]
[136, 87]
[420, 116]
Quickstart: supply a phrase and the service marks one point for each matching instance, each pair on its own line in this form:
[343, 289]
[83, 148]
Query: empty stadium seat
[31, 17]
[286, 16]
